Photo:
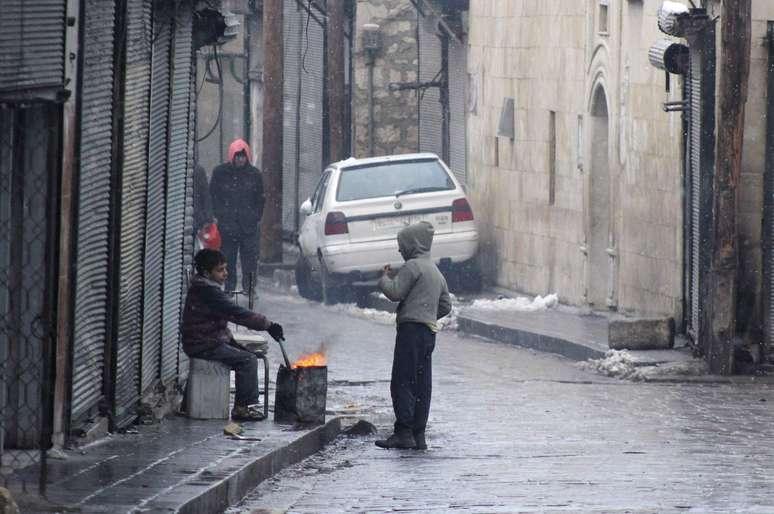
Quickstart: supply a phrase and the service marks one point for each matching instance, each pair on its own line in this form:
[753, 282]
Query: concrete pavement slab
[178, 465]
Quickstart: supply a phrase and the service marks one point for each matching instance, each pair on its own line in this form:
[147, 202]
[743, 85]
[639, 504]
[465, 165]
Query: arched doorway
[599, 206]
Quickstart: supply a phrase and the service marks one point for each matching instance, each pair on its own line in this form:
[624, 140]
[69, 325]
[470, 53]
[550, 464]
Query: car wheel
[465, 277]
[471, 279]
[329, 291]
[306, 287]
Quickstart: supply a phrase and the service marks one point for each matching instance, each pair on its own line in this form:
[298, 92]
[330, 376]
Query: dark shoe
[400, 440]
[419, 440]
[248, 413]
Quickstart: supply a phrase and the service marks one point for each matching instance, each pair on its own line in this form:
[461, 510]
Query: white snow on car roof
[384, 158]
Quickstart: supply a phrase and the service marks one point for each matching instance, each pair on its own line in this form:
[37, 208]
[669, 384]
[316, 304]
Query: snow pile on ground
[388, 318]
[351, 309]
[523, 304]
[621, 364]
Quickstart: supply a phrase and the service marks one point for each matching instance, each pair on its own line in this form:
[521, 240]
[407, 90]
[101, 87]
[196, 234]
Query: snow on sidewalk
[521, 304]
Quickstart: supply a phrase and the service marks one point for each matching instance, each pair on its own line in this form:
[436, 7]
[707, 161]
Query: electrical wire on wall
[219, 82]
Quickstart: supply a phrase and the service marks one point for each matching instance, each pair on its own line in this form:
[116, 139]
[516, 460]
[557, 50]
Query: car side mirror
[306, 207]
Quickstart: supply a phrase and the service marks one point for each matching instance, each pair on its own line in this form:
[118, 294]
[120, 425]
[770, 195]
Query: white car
[356, 211]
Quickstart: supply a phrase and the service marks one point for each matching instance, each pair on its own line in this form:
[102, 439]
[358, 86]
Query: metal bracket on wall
[425, 9]
[679, 106]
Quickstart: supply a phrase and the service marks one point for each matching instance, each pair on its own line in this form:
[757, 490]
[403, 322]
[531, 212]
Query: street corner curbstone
[527, 339]
[641, 333]
[238, 482]
[7, 505]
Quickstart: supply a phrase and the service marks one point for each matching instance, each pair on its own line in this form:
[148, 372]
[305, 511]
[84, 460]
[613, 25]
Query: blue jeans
[412, 376]
[244, 363]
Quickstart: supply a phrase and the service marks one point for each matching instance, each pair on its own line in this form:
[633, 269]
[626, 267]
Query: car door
[309, 236]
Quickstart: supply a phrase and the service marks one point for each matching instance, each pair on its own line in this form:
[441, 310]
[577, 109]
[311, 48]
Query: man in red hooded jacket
[236, 189]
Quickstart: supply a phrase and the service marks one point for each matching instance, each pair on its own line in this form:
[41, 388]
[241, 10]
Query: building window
[602, 23]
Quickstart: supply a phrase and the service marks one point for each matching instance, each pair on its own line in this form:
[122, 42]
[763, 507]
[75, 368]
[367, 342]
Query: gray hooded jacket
[419, 286]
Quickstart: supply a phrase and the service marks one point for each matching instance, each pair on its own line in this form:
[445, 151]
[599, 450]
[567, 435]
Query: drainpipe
[370, 65]
[371, 45]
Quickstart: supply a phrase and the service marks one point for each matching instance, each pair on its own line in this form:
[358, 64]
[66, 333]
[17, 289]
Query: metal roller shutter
[293, 32]
[155, 205]
[178, 164]
[768, 219]
[430, 111]
[132, 205]
[700, 163]
[458, 80]
[310, 137]
[94, 192]
[32, 44]
[303, 113]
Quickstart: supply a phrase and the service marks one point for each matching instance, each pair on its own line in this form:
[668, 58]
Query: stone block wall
[650, 229]
[396, 117]
[551, 56]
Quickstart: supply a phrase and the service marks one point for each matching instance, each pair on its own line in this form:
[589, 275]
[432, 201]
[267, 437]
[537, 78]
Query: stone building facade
[396, 115]
[586, 198]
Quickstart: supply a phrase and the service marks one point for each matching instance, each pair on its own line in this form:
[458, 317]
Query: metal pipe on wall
[370, 65]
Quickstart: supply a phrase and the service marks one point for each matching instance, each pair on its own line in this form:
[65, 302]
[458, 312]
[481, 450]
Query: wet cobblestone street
[517, 431]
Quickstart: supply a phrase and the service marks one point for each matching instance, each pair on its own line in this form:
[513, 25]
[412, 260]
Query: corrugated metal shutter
[32, 44]
[94, 192]
[693, 155]
[700, 163]
[430, 111]
[155, 205]
[303, 112]
[458, 82]
[768, 220]
[188, 248]
[132, 205]
[178, 165]
[293, 33]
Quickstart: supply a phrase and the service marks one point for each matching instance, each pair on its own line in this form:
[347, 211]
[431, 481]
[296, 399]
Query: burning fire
[311, 360]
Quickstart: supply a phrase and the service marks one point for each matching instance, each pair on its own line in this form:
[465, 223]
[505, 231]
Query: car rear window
[389, 179]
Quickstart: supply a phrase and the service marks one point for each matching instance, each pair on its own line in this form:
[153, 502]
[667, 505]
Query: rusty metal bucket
[301, 395]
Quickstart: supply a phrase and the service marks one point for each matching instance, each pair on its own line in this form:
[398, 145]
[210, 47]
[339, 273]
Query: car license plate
[395, 222]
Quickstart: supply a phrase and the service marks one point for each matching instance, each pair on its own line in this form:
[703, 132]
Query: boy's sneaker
[246, 413]
[419, 440]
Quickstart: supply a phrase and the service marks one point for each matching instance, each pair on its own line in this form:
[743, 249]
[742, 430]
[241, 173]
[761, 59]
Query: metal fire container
[301, 394]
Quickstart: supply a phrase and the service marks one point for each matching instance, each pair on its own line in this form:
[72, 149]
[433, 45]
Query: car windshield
[392, 178]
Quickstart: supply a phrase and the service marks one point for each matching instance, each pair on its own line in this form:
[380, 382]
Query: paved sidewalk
[178, 465]
[575, 336]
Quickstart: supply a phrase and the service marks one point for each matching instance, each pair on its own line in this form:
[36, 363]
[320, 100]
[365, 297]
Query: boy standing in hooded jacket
[424, 299]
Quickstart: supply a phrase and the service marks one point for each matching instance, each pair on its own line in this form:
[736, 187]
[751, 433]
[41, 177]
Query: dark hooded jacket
[237, 194]
[206, 315]
[419, 286]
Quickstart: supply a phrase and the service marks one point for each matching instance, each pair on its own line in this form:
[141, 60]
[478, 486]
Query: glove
[275, 331]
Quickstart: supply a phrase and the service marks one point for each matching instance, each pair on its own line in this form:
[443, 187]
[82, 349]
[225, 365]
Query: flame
[311, 360]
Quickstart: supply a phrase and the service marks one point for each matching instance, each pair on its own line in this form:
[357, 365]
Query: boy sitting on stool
[206, 335]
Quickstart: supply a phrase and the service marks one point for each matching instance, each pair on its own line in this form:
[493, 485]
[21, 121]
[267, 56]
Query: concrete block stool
[209, 384]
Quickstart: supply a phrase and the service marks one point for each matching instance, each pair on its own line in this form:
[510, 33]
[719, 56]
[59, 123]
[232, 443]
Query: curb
[531, 340]
[235, 484]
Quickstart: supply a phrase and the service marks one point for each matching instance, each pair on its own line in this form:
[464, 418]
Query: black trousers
[245, 365]
[412, 376]
[247, 246]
